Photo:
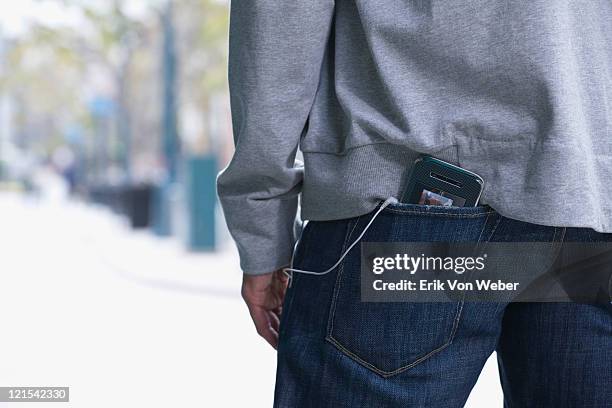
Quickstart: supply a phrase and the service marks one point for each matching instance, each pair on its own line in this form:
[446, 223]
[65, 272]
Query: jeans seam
[332, 312]
[563, 232]
[383, 373]
[287, 310]
[461, 302]
[386, 374]
[484, 227]
[499, 219]
[437, 213]
[610, 289]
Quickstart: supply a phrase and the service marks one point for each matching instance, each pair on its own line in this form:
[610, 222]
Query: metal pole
[171, 143]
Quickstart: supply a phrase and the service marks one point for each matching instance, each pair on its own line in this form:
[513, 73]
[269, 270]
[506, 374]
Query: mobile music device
[436, 182]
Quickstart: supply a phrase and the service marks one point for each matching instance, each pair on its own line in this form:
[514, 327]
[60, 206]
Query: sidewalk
[123, 318]
[127, 319]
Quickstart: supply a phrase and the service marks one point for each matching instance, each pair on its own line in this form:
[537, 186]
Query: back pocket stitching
[386, 374]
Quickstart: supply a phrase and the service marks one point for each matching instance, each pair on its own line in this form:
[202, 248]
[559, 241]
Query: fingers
[281, 278]
[264, 295]
[274, 320]
[266, 324]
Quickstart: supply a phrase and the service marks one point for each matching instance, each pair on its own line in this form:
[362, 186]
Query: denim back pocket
[389, 338]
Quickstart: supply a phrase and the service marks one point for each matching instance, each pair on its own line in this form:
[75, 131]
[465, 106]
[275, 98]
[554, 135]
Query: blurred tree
[55, 73]
[41, 80]
[202, 49]
[114, 38]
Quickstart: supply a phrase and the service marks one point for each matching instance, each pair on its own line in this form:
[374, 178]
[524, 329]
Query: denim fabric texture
[336, 351]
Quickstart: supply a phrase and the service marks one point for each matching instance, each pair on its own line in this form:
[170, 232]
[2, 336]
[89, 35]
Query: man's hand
[264, 296]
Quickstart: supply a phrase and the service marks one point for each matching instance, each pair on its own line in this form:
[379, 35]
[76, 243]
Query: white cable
[387, 202]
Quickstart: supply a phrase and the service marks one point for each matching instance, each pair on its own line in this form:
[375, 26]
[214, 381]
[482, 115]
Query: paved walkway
[127, 319]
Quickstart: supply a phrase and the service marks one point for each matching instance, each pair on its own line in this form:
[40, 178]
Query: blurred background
[117, 275]
[126, 101]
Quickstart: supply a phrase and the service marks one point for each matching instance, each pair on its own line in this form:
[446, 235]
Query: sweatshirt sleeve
[276, 50]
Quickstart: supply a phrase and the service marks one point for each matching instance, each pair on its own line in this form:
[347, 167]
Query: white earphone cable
[289, 271]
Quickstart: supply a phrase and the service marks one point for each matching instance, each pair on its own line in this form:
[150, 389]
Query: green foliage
[204, 29]
[50, 68]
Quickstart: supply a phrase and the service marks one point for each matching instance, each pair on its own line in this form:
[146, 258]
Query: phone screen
[434, 196]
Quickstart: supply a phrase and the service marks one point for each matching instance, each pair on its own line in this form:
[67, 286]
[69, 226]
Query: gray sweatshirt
[519, 92]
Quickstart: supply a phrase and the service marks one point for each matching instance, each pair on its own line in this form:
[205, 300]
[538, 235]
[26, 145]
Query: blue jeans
[336, 351]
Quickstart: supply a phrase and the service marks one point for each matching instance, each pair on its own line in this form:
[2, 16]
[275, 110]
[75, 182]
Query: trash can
[201, 176]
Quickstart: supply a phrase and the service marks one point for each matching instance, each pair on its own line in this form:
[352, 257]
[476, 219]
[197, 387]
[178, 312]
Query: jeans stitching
[484, 226]
[286, 310]
[386, 374]
[610, 288]
[563, 232]
[438, 213]
[332, 312]
[461, 303]
[499, 219]
[382, 373]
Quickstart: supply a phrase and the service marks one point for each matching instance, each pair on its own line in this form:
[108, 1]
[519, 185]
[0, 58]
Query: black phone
[435, 182]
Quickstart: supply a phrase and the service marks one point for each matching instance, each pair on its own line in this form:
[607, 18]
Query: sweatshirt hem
[353, 184]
